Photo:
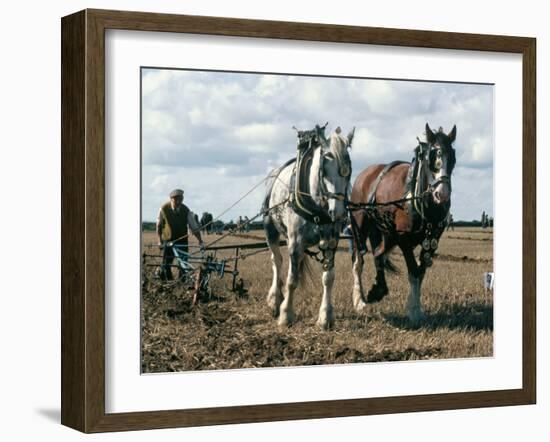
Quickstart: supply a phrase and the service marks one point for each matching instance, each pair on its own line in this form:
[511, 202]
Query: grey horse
[305, 203]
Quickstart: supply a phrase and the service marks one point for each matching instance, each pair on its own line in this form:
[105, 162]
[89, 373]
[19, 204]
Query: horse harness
[425, 156]
[414, 198]
[301, 200]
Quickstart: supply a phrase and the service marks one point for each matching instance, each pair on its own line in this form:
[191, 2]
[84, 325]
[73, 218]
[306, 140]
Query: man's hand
[202, 246]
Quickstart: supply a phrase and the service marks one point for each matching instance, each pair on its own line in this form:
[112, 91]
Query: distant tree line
[208, 225]
[220, 226]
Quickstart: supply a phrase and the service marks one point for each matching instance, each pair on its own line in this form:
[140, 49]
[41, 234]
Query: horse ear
[452, 134]
[350, 136]
[430, 136]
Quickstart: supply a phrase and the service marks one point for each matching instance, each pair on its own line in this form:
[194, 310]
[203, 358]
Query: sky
[218, 134]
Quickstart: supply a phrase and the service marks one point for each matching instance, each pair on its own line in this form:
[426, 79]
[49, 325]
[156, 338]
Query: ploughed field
[228, 331]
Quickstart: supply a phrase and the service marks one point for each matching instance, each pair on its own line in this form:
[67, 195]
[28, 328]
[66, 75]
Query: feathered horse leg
[296, 255]
[326, 317]
[358, 294]
[275, 295]
[359, 249]
[416, 276]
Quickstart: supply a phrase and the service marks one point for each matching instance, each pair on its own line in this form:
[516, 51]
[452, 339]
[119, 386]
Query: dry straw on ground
[231, 332]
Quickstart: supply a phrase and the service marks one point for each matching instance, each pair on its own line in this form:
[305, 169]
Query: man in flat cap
[172, 222]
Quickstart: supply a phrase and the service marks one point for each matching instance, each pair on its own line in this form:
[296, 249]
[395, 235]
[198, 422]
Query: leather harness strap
[274, 175]
[301, 201]
[372, 195]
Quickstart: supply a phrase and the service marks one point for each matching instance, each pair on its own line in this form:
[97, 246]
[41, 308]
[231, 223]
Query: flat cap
[176, 192]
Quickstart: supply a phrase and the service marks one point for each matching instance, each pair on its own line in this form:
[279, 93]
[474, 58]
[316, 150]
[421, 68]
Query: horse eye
[344, 171]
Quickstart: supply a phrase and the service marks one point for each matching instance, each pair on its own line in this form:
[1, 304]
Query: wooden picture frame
[83, 211]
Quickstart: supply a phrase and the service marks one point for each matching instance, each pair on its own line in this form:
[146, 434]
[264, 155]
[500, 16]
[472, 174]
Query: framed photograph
[267, 221]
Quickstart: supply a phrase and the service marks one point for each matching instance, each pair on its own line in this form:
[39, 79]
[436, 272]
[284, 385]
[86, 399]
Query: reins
[226, 210]
[415, 196]
[418, 188]
[304, 203]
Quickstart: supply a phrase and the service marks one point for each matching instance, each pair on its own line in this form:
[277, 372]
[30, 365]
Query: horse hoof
[325, 325]
[325, 321]
[359, 303]
[416, 318]
[285, 320]
[283, 324]
[274, 305]
[376, 294]
[358, 300]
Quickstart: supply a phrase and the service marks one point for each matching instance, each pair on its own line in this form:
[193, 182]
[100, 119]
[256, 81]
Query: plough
[197, 268]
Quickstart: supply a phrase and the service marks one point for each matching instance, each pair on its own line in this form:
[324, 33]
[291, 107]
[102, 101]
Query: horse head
[335, 173]
[441, 162]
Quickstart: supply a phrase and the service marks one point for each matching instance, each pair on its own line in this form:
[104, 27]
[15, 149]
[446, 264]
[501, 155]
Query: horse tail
[306, 268]
[305, 273]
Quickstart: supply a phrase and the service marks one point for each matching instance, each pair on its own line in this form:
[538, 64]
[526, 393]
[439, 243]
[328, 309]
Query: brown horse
[407, 205]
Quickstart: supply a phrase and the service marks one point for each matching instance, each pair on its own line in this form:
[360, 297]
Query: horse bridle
[429, 228]
[344, 170]
[423, 152]
[317, 213]
[444, 179]
[308, 141]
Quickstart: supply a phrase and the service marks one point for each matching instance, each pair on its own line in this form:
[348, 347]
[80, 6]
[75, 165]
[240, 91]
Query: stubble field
[228, 331]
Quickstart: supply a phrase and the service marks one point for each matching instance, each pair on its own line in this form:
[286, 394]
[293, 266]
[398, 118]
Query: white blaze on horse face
[336, 207]
[442, 192]
[336, 175]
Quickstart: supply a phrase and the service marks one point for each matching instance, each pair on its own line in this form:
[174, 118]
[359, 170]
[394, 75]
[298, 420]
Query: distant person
[206, 222]
[450, 222]
[197, 222]
[348, 231]
[173, 219]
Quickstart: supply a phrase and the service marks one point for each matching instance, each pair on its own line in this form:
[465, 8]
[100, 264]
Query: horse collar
[301, 201]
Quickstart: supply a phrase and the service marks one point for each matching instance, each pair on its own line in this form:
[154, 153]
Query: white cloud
[159, 121]
[196, 116]
[159, 183]
[255, 131]
[271, 85]
[481, 151]
[229, 127]
[154, 79]
[379, 95]
[260, 137]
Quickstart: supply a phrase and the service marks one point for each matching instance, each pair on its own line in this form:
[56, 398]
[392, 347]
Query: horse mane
[338, 146]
